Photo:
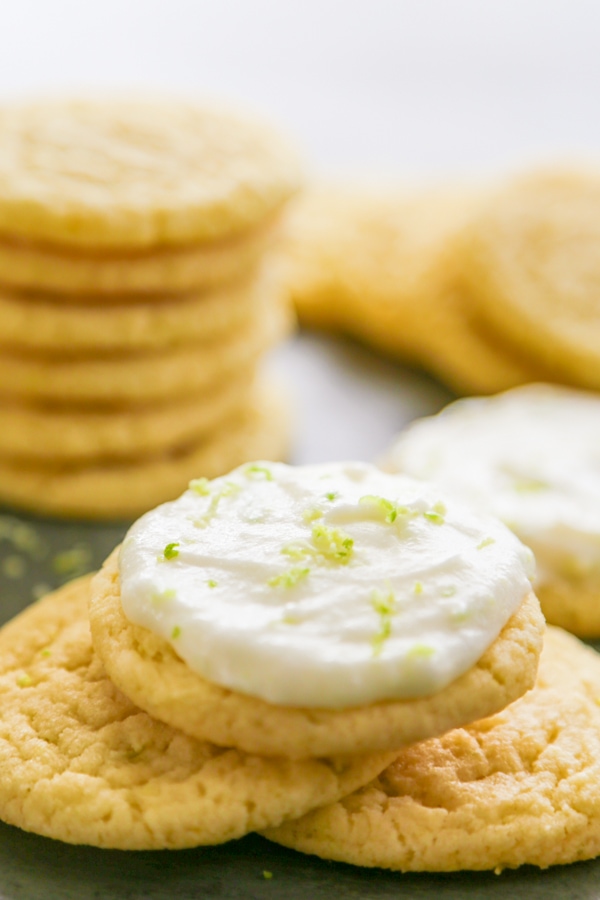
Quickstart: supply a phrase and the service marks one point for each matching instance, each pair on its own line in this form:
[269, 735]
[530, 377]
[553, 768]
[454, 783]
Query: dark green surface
[35, 868]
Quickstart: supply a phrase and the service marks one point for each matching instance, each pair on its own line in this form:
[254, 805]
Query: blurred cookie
[530, 264]
[80, 763]
[135, 173]
[46, 323]
[519, 788]
[124, 379]
[321, 622]
[123, 489]
[529, 457]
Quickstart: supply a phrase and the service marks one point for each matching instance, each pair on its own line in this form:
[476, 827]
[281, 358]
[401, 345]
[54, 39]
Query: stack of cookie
[134, 302]
[486, 289]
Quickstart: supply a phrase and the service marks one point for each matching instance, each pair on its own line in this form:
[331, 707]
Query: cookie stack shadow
[135, 307]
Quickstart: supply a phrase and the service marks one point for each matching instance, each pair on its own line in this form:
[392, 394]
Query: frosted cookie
[80, 763]
[520, 788]
[123, 489]
[303, 611]
[531, 268]
[366, 263]
[133, 173]
[81, 275]
[46, 323]
[33, 433]
[529, 457]
[125, 379]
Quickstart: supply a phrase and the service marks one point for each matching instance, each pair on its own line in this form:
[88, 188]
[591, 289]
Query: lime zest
[175, 633]
[387, 508]
[24, 680]
[418, 588]
[437, 513]
[332, 495]
[200, 486]
[212, 583]
[448, 591]
[419, 651]
[332, 544]
[258, 472]
[384, 604]
[165, 596]
[228, 489]
[288, 579]
[171, 551]
[486, 542]
[310, 515]
[45, 652]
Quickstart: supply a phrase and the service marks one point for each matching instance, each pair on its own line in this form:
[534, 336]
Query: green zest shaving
[310, 515]
[486, 543]
[384, 605]
[436, 514]
[288, 579]
[46, 652]
[176, 633]
[24, 680]
[171, 551]
[332, 544]
[388, 509]
[200, 486]
[448, 591]
[258, 472]
[418, 589]
[420, 651]
[228, 489]
[331, 496]
[163, 596]
[211, 583]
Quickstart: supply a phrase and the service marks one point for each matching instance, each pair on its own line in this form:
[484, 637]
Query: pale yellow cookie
[149, 671]
[367, 263]
[34, 321]
[119, 173]
[520, 788]
[126, 379]
[125, 489]
[32, 433]
[84, 276]
[531, 269]
[80, 763]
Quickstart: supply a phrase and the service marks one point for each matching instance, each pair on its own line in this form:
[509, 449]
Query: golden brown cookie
[81, 276]
[518, 788]
[124, 489]
[136, 173]
[47, 323]
[80, 763]
[32, 433]
[530, 262]
[149, 671]
[125, 379]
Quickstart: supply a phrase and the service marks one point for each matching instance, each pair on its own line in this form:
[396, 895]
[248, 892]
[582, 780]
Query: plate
[348, 405]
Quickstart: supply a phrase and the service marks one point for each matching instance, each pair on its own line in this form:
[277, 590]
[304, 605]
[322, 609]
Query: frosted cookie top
[326, 586]
[530, 456]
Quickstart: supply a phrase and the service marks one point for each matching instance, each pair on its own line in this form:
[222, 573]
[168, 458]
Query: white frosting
[263, 595]
[530, 456]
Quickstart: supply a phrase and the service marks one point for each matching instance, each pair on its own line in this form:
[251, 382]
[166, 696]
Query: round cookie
[527, 456]
[136, 173]
[369, 264]
[84, 277]
[270, 673]
[80, 763]
[125, 489]
[519, 788]
[138, 378]
[45, 323]
[530, 266]
[32, 433]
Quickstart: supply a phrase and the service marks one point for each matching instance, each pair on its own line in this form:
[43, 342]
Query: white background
[396, 90]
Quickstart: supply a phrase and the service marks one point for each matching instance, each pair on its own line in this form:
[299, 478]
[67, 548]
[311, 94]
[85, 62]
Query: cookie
[519, 788]
[352, 638]
[136, 173]
[80, 763]
[48, 324]
[86, 276]
[368, 264]
[527, 456]
[124, 489]
[125, 379]
[530, 265]
[32, 433]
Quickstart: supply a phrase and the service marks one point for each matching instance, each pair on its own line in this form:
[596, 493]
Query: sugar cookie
[519, 788]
